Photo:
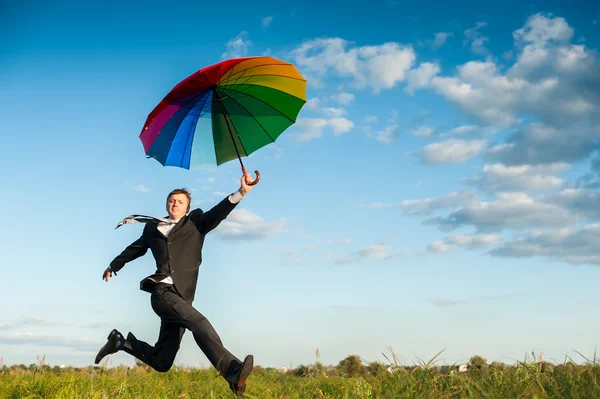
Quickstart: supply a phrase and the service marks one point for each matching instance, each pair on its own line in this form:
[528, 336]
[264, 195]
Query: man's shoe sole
[245, 371]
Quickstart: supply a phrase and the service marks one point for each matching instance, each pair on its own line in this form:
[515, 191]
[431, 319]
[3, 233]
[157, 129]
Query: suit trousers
[177, 316]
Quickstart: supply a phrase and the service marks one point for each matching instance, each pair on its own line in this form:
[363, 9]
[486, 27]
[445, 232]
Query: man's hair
[181, 191]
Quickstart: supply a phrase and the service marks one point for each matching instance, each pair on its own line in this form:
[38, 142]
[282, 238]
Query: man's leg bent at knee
[162, 355]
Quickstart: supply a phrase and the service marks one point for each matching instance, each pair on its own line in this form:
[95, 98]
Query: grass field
[350, 379]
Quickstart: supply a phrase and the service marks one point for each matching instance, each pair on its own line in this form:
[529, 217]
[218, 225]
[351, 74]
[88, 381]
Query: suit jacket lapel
[153, 231]
[178, 226]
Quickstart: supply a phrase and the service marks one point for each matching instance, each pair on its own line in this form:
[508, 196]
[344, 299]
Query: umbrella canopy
[224, 111]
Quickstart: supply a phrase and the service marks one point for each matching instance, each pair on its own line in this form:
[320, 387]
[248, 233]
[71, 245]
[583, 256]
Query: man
[176, 245]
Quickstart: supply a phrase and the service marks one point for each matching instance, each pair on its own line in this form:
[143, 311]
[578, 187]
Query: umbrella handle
[255, 180]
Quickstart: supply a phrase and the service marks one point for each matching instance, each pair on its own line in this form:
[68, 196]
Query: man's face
[177, 206]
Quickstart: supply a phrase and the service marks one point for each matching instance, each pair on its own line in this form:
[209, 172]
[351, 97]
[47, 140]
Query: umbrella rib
[197, 84]
[243, 74]
[263, 65]
[206, 77]
[238, 78]
[190, 139]
[225, 116]
[225, 86]
[266, 103]
[256, 120]
[266, 74]
[179, 126]
[254, 84]
[191, 80]
[229, 71]
[219, 71]
[203, 111]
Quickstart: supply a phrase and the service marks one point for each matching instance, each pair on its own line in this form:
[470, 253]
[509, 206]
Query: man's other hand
[108, 274]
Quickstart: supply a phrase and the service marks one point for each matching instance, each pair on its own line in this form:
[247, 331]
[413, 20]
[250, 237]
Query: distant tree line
[351, 366]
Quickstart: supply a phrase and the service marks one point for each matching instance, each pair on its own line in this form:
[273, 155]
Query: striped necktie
[131, 219]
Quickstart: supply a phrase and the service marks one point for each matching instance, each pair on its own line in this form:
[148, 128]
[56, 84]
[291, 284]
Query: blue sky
[439, 190]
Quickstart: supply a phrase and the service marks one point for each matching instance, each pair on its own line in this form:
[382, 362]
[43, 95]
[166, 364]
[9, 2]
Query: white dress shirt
[166, 228]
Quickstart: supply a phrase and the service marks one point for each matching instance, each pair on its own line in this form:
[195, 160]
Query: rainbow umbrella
[225, 111]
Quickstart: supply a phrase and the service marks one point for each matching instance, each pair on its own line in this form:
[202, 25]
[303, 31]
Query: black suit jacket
[180, 254]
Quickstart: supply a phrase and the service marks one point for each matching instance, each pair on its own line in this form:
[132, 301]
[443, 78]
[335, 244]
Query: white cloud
[379, 67]
[242, 224]
[481, 91]
[313, 103]
[278, 152]
[344, 98]
[27, 338]
[266, 21]
[473, 242]
[524, 178]
[552, 82]
[370, 119]
[538, 143]
[421, 77]
[334, 112]
[507, 211]
[237, 47]
[385, 135]
[318, 104]
[451, 151]
[141, 188]
[422, 131]
[340, 125]
[548, 221]
[375, 252]
[471, 131]
[476, 39]
[308, 129]
[541, 30]
[428, 205]
[345, 241]
[567, 245]
[38, 321]
[440, 39]
[438, 247]
[463, 129]
[581, 202]
[31, 321]
[548, 95]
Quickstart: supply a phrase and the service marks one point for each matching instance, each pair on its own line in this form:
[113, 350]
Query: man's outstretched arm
[209, 220]
[136, 249]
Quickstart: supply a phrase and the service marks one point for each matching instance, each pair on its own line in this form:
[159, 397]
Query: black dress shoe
[238, 390]
[238, 385]
[115, 343]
